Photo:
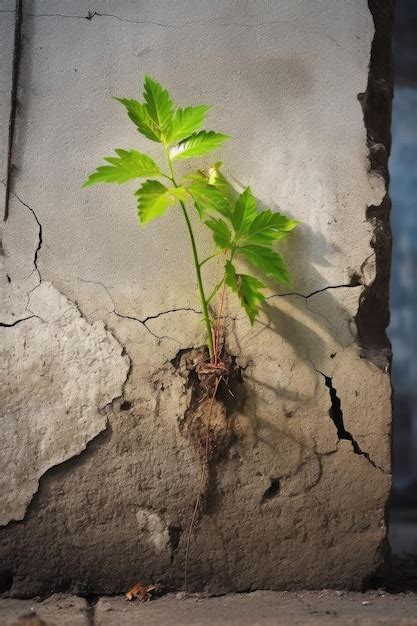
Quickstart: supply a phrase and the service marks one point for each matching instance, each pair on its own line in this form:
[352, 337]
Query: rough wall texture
[299, 500]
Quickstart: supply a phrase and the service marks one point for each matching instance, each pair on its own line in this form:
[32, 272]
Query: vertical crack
[13, 102]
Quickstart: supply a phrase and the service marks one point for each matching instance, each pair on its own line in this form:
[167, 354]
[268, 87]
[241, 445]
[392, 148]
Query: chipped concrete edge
[373, 315]
[372, 318]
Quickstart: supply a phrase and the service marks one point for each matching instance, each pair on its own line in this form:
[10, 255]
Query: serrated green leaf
[159, 106]
[244, 213]
[248, 289]
[216, 178]
[187, 121]
[208, 199]
[128, 165]
[221, 233]
[266, 260]
[139, 115]
[154, 199]
[197, 145]
[268, 227]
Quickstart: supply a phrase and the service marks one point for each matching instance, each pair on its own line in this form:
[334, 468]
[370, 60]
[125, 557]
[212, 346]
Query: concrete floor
[260, 608]
[396, 607]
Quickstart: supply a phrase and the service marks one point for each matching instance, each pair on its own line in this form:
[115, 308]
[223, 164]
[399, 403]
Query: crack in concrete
[336, 415]
[313, 293]
[16, 322]
[17, 52]
[92, 14]
[40, 237]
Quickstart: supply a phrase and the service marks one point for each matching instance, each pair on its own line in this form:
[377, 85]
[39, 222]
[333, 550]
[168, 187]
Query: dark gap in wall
[175, 533]
[6, 580]
[272, 491]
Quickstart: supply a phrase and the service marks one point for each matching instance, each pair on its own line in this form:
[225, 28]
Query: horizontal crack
[313, 293]
[16, 322]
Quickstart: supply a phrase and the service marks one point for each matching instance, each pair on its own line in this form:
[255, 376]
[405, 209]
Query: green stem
[197, 267]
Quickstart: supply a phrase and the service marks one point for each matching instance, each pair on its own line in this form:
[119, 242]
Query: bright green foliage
[209, 199]
[139, 115]
[240, 229]
[197, 144]
[248, 288]
[128, 165]
[154, 199]
[187, 121]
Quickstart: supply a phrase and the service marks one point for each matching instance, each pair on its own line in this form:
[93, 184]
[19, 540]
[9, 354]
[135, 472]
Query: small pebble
[365, 603]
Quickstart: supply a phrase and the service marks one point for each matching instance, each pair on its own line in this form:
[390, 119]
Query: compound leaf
[139, 115]
[197, 144]
[207, 198]
[221, 233]
[268, 227]
[245, 212]
[248, 289]
[154, 199]
[187, 121]
[266, 260]
[159, 106]
[128, 165]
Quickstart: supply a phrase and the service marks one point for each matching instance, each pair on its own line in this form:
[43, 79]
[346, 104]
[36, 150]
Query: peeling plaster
[58, 375]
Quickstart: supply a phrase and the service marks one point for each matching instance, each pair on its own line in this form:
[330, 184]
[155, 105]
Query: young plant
[240, 229]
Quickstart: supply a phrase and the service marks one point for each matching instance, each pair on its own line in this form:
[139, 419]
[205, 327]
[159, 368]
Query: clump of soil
[217, 396]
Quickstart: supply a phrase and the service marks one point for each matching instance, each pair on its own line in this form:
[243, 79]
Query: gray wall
[98, 481]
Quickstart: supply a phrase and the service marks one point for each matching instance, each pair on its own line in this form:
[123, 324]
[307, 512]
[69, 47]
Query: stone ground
[394, 603]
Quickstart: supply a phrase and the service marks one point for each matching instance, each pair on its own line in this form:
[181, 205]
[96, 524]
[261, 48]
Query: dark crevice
[175, 533]
[6, 580]
[17, 53]
[372, 317]
[336, 415]
[272, 491]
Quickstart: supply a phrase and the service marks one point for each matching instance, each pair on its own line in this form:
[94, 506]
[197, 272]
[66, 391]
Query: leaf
[245, 212]
[268, 227]
[221, 233]
[139, 115]
[159, 105]
[216, 178]
[247, 288]
[197, 145]
[208, 198]
[154, 199]
[128, 164]
[187, 121]
[266, 260]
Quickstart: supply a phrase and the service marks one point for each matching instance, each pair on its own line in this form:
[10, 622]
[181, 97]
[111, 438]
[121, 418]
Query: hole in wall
[272, 491]
[6, 580]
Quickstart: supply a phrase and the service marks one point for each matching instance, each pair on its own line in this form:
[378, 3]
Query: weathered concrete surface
[299, 500]
[58, 373]
[58, 610]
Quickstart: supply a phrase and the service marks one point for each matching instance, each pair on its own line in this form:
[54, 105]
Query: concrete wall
[98, 484]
